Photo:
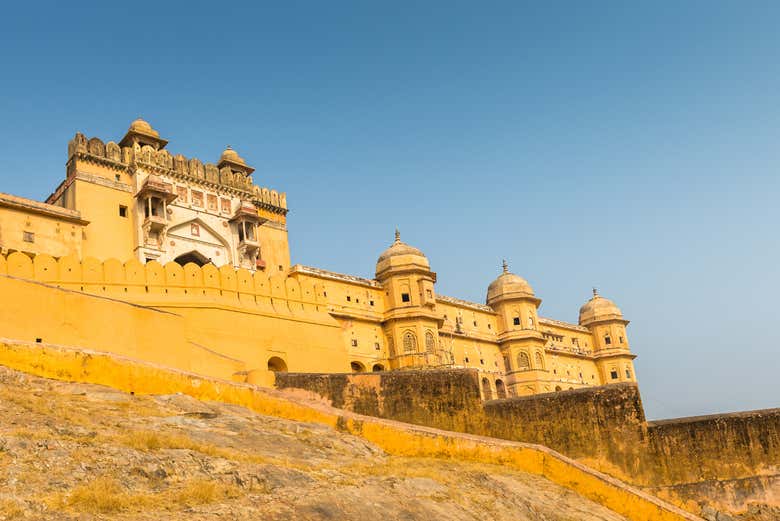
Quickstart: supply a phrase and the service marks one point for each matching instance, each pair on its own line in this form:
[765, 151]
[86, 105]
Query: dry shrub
[103, 495]
[201, 491]
[151, 440]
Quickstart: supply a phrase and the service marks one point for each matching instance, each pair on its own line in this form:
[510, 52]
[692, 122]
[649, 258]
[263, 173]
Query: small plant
[103, 495]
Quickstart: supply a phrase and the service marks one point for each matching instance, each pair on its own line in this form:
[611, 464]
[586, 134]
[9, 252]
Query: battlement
[153, 282]
[227, 179]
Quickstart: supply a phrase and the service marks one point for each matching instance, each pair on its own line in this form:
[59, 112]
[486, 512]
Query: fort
[165, 260]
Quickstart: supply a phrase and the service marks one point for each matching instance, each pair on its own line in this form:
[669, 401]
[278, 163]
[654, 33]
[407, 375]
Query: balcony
[155, 223]
[249, 247]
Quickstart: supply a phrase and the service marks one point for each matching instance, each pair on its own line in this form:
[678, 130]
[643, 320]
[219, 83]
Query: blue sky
[624, 145]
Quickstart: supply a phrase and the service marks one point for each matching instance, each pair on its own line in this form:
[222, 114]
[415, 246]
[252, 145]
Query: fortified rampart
[724, 461]
[221, 322]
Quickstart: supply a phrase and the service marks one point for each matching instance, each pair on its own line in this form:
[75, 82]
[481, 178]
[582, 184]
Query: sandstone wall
[726, 460]
[445, 399]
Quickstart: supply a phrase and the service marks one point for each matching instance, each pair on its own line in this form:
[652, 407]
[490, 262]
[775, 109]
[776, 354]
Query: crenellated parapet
[153, 283]
[230, 176]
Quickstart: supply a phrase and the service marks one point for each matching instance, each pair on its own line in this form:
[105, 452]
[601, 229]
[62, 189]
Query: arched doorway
[277, 365]
[357, 367]
[193, 257]
[558, 388]
[486, 391]
[500, 389]
[378, 368]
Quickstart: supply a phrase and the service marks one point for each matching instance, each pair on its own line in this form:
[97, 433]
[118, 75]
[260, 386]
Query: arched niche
[277, 365]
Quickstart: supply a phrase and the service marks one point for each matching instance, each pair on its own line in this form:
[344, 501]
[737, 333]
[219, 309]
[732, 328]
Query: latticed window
[430, 342]
[539, 361]
[410, 342]
[523, 362]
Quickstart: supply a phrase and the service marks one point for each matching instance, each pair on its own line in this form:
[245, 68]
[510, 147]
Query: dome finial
[229, 147]
[595, 292]
[505, 266]
[397, 236]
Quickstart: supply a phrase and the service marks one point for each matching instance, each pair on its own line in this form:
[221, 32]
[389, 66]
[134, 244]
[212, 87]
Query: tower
[410, 323]
[611, 351]
[520, 342]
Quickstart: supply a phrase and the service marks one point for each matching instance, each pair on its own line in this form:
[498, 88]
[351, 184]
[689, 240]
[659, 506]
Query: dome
[141, 132]
[399, 248]
[599, 308]
[509, 285]
[400, 257]
[142, 127]
[231, 156]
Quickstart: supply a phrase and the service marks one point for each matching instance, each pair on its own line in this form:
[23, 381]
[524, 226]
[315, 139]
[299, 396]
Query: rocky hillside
[74, 451]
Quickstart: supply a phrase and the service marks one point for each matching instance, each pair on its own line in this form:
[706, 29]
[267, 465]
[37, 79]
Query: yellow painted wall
[108, 235]
[52, 235]
[234, 314]
[33, 311]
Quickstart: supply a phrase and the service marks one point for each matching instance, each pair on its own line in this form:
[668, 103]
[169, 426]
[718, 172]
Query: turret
[410, 325]
[521, 343]
[513, 299]
[610, 341]
[605, 321]
[142, 133]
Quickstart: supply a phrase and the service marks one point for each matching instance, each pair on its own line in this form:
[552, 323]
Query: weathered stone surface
[730, 461]
[57, 440]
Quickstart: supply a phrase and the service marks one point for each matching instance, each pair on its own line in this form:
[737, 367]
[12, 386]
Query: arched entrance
[486, 391]
[193, 257]
[357, 367]
[500, 389]
[378, 368]
[277, 365]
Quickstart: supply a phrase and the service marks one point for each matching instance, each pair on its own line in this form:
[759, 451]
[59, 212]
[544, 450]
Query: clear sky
[631, 146]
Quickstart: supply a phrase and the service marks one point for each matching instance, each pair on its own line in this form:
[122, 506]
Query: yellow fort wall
[394, 437]
[172, 314]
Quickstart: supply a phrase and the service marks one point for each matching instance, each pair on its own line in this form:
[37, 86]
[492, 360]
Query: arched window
[430, 342]
[558, 388]
[486, 391]
[277, 365]
[523, 362]
[378, 368]
[500, 389]
[538, 360]
[410, 342]
[357, 367]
